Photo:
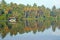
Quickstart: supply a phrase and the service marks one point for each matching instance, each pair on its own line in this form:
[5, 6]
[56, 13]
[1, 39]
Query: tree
[3, 3]
[34, 5]
[53, 12]
[53, 8]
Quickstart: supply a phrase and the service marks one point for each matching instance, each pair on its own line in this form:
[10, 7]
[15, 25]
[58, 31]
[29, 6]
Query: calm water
[30, 30]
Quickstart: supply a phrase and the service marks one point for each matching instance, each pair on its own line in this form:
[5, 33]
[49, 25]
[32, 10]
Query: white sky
[46, 3]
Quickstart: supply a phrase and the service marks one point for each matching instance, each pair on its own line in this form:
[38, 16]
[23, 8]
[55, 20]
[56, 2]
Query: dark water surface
[30, 30]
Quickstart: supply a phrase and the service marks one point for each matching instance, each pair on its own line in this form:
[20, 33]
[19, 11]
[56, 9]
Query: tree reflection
[27, 26]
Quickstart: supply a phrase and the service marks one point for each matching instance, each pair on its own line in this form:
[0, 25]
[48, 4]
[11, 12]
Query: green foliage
[3, 17]
[38, 18]
[32, 12]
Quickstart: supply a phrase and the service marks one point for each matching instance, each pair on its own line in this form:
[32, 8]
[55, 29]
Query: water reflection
[27, 26]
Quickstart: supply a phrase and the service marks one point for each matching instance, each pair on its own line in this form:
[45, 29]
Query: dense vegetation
[21, 11]
[38, 18]
[27, 26]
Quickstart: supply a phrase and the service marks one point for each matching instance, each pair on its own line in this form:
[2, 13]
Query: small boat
[12, 19]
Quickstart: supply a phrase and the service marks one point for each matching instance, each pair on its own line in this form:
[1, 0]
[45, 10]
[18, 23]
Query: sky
[46, 3]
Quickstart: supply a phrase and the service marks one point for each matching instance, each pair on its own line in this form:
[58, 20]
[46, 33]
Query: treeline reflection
[27, 26]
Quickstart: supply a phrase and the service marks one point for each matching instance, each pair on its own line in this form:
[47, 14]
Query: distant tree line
[26, 11]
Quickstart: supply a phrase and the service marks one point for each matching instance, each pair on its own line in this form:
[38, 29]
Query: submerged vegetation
[21, 11]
